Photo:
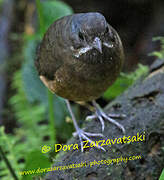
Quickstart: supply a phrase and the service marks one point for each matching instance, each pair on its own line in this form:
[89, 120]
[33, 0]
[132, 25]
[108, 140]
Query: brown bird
[80, 56]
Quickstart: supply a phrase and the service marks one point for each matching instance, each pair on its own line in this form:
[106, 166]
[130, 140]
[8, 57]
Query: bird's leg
[82, 134]
[101, 115]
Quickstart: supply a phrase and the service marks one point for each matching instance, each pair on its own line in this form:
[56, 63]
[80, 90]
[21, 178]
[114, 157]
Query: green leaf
[162, 175]
[34, 88]
[159, 54]
[53, 10]
[35, 160]
[7, 144]
[124, 81]
[118, 87]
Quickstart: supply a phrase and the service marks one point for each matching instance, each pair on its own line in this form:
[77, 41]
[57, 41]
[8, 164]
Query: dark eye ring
[81, 36]
[107, 29]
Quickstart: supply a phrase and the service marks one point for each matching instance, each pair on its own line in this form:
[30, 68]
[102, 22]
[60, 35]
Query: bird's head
[90, 32]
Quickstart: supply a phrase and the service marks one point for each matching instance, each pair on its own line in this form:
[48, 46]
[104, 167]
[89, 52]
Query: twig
[8, 164]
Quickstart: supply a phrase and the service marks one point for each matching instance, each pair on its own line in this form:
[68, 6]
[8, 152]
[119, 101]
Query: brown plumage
[80, 56]
[86, 77]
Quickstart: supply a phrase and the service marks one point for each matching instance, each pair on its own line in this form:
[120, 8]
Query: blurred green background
[33, 117]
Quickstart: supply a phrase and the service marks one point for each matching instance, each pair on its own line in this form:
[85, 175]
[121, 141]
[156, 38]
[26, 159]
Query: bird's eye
[81, 36]
[107, 30]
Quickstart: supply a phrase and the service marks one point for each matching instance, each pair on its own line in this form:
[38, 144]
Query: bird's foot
[101, 115]
[84, 135]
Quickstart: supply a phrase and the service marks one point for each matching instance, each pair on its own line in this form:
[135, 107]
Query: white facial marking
[108, 45]
[81, 51]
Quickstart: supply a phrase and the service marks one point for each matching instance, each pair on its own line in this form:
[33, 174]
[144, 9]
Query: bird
[79, 57]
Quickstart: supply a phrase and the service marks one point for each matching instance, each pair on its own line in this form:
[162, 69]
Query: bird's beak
[97, 44]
